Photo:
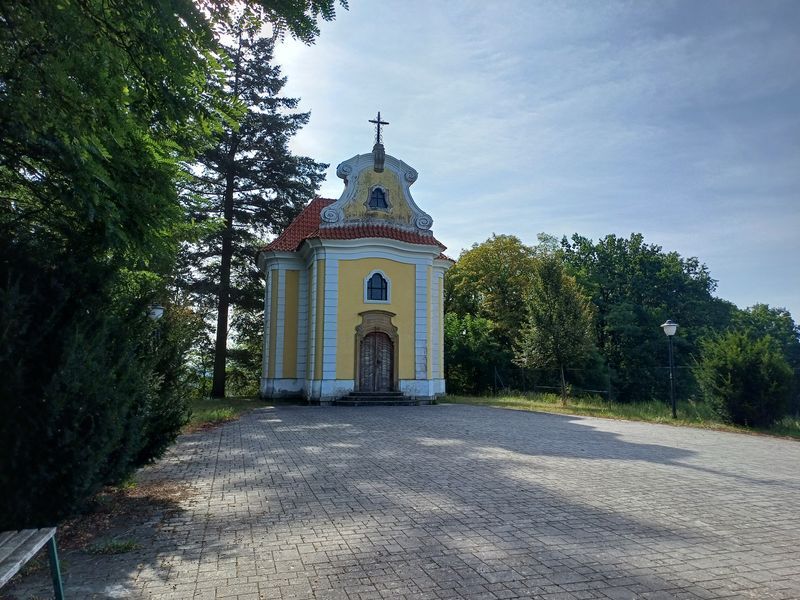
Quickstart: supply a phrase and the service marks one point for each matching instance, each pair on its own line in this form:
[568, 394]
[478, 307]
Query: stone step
[375, 394]
[346, 401]
[378, 399]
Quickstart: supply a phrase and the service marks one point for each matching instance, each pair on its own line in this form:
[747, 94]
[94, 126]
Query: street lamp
[155, 311]
[670, 327]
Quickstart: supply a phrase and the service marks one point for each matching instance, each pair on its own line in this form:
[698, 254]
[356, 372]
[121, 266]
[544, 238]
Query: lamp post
[670, 327]
[154, 313]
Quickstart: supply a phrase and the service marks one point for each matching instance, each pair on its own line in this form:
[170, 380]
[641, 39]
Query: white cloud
[676, 119]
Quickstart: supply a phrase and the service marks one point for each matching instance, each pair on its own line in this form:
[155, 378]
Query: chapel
[354, 292]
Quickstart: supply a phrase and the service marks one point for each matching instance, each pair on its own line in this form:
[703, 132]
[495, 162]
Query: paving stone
[452, 501]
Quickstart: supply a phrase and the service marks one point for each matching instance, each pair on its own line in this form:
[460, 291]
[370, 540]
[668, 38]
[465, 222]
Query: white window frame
[385, 196]
[388, 288]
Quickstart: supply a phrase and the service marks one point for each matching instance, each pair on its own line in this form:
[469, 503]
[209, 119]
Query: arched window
[377, 199]
[377, 288]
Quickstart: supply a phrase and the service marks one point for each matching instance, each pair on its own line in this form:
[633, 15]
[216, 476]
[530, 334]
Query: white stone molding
[417, 388]
[388, 286]
[378, 248]
[282, 388]
[386, 195]
[274, 259]
[332, 389]
[350, 170]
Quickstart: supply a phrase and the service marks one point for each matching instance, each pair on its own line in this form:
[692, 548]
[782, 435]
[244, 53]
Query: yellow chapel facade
[354, 292]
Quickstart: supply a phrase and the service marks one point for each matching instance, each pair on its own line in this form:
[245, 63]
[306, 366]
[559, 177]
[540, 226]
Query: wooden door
[375, 369]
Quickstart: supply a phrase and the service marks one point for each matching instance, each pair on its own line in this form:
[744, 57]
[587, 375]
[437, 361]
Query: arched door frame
[371, 321]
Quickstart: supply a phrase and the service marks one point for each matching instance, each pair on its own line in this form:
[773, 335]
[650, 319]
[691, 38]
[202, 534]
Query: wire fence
[586, 382]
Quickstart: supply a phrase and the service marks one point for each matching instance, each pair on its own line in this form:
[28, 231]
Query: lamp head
[155, 311]
[670, 327]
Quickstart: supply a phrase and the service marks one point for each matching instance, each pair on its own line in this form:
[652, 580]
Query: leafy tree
[761, 319]
[635, 287]
[746, 381]
[491, 280]
[251, 182]
[558, 331]
[102, 103]
[471, 353]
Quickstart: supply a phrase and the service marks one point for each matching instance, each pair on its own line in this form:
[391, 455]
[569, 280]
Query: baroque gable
[377, 197]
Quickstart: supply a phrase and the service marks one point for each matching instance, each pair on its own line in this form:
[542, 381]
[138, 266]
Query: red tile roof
[307, 226]
[305, 223]
[355, 232]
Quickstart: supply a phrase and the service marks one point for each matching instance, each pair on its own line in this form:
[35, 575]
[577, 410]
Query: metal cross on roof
[378, 124]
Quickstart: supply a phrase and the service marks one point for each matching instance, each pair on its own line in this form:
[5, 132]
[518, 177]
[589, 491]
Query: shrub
[471, 354]
[88, 392]
[70, 399]
[746, 381]
[167, 409]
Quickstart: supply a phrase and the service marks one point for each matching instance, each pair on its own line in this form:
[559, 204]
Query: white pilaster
[421, 323]
[440, 333]
[330, 311]
[267, 332]
[280, 323]
[302, 324]
[312, 331]
[436, 317]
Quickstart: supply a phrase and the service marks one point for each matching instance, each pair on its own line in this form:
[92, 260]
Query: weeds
[113, 547]
[208, 412]
[694, 414]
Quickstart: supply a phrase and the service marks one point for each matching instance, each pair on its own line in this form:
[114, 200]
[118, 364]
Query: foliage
[168, 409]
[252, 185]
[102, 106]
[746, 381]
[488, 284]
[492, 281]
[57, 348]
[300, 18]
[471, 353]
[90, 389]
[635, 287]
[761, 319]
[113, 547]
[558, 331]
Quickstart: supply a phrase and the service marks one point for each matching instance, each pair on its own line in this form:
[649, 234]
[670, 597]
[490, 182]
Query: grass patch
[692, 414]
[208, 412]
[788, 426]
[113, 547]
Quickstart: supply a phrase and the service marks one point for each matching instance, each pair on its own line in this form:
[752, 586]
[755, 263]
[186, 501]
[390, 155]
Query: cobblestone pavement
[454, 501]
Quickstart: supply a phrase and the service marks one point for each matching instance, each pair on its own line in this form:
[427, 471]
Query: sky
[679, 120]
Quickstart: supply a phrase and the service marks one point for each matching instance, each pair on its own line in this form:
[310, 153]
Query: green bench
[18, 547]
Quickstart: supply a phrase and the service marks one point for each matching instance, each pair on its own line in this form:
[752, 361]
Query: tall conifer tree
[251, 182]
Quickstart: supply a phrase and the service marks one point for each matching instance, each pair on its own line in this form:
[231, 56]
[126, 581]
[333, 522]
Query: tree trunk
[223, 296]
[563, 387]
